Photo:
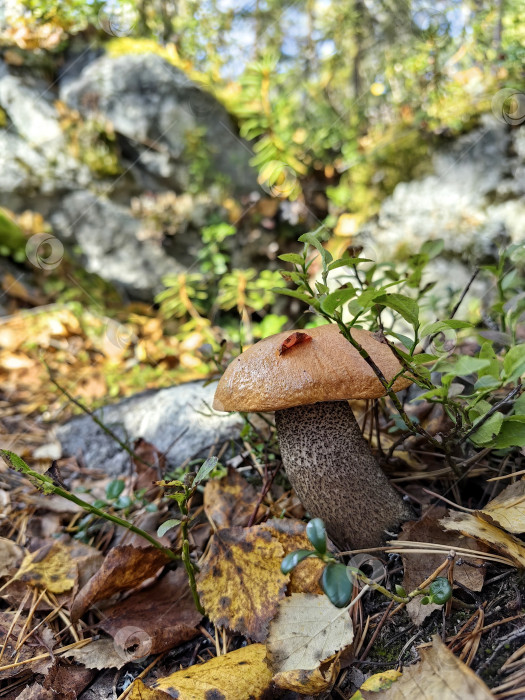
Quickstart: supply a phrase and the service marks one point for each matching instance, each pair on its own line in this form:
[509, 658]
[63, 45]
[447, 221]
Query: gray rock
[108, 236]
[155, 106]
[178, 421]
[463, 202]
[33, 154]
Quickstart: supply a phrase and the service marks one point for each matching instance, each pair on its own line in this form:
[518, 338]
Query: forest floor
[87, 607]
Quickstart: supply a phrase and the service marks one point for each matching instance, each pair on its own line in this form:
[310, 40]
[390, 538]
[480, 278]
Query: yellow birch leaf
[508, 509]
[50, 567]
[381, 681]
[305, 577]
[439, 674]
[474, 526]
[237, 675]
[240, 582]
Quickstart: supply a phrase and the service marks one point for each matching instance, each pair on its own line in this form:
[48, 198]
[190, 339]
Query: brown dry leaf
[439, 674]
[50, 567]
[10, 555]
[292, 535]
[124, 568]
[26, 652]
[230, 501]
[240, 582]
[67, 681]
[37, 692]
[237, 675]
[304, 640]
[419, 567]
[508, 509]
[165, 614]
[473, 526]
[100, 654]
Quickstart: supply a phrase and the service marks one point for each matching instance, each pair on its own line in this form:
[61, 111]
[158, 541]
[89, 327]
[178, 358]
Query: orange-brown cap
[295, 368]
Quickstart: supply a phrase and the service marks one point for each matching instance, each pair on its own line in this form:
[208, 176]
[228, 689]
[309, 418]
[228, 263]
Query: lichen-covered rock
[109, 238]
[157, 108]
[465, 201]
[178, 421]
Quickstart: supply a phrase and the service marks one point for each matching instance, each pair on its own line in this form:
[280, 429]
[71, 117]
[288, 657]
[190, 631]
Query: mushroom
[307, 379]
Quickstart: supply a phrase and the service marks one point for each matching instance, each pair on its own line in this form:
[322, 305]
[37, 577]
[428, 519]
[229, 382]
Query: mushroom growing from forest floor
[307, 377]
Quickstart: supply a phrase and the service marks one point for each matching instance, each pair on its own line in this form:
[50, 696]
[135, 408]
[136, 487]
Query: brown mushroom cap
[326, 367]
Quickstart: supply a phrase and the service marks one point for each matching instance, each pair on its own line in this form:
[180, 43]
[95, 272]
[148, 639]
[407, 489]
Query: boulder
[108, 236]
[179, 421]
[465, 201]
[158, 109]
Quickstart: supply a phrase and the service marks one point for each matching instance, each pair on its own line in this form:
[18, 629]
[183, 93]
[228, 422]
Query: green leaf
[316, 533]
[464, 365]
[514, 362]
[205, 470]
[292, 258]
[440, 590]
[486, 382]
[296, 295]
[167, 525]
[365, 300]
[407, 307]
[336, 299]
[438, 326]
[115, 488]
[337, 585]
[423, 357]
[346, 262]
[291, 560]
[400, 591]
[312, 240]
[493, 368]
[432, 248]
[512, 433]
[489, 430]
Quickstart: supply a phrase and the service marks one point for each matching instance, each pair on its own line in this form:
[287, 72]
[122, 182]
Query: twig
[507, 399]
[45, 484]
[97, 420]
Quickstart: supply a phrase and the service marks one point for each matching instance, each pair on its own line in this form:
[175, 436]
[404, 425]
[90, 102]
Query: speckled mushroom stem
[337, 478]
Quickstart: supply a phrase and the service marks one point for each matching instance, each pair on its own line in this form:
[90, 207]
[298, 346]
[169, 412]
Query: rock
[178, 421]
[464, 201]
[33, 153]
[156, 107]
[108, 236]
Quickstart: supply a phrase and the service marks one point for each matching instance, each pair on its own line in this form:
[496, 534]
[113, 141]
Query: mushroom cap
[319, 364]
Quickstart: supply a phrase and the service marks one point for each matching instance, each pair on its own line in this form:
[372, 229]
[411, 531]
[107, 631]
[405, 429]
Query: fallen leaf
[439, 674]
[37, 692]
[417, 568]
[377, 682]
[124, 568]
[238, 675]
[473, 526]
[50, 567]
[100, 654]
[164, 613]
[240, 582]
[291, 534]
[317, 680]
[10, 555]
[25, 653]
[294, 339]
[66, 680]
[508, 509]
[307, 632]
[230, 501]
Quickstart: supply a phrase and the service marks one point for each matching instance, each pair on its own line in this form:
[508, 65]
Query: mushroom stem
[334, 473]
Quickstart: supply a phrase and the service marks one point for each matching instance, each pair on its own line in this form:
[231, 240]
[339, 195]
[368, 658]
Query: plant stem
[188, 564]
[46, 484]
[97, 420]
